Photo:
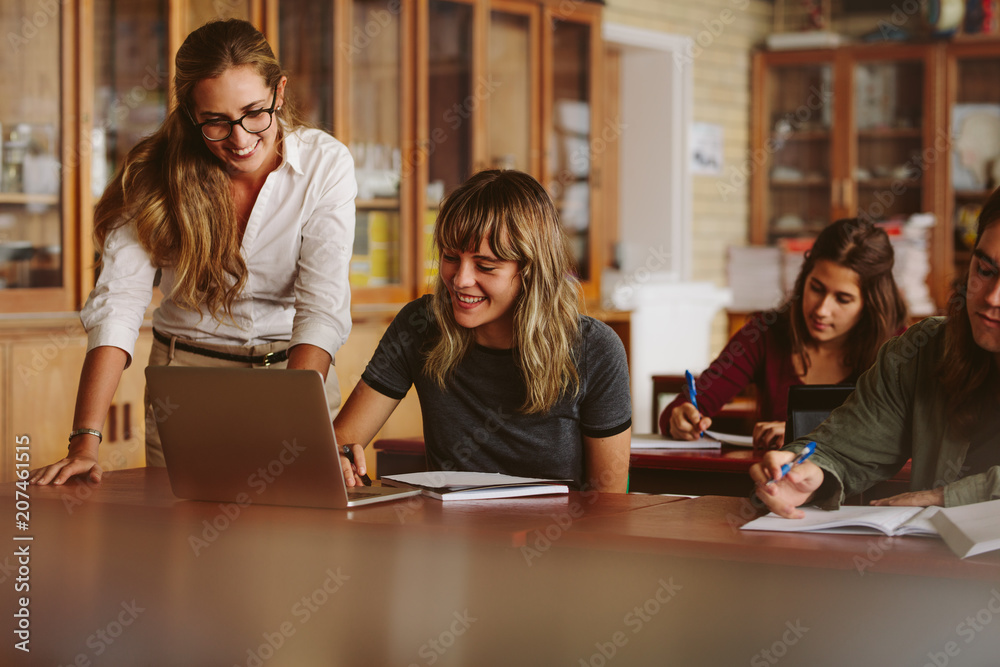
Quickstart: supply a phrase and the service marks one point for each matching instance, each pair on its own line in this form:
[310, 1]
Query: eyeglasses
[254, 122]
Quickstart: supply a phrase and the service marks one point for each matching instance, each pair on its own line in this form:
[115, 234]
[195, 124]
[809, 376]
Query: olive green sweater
[896, 412]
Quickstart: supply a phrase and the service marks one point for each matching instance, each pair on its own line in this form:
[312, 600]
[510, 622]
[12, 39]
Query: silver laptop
[252, 435]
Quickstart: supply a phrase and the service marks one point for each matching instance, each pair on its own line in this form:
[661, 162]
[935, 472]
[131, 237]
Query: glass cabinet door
[569, 174]
[130, 81]
[511, 76]
[974, 160]
[889, 170]
[798, 123]
[36, 169]
[376, 61]
[199, 12]
[305, 50]
[453, 99]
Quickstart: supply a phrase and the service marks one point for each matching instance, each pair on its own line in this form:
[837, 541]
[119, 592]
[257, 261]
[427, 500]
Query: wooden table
[715, 472]
[124, 574]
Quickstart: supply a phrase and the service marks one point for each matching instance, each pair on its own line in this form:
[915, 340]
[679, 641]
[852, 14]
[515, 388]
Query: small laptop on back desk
[252, 435]
[810, 404]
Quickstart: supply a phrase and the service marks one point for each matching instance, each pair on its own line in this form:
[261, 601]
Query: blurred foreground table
[125, 574]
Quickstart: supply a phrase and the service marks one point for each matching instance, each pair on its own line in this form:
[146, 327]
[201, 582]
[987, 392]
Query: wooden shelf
[886, 183]
[972, 195]
[891, 133]
[22, 198]
[801, 183]
[378, 203]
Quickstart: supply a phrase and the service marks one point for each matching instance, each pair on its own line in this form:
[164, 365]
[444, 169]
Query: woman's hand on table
[81, 460]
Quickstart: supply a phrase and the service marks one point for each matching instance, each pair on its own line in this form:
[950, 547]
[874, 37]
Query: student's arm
[310, 357]
[606, 461]
[102, 369]
[364, 413]
[728, 375]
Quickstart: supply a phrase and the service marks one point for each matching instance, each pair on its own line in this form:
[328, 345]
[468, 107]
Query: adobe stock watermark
[816, 100]
[539, 541]
[772, 654]
[104, 637]
[46, 352]
[967, 630]
[657, 259]
[709, 35]
[579, 160]
[362, 36]
[302, 611]
[634, 620]
[258, 481]
[436, 647]
[43, 14]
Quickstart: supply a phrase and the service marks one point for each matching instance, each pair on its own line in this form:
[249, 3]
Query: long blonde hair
[514, 214]
[176, 191]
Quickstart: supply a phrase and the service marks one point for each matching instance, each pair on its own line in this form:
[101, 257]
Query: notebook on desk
[252, 435]
[810, 404]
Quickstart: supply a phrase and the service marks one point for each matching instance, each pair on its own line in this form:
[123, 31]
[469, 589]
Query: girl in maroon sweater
[844, 306]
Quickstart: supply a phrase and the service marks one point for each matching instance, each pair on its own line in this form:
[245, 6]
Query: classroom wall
[724, 31]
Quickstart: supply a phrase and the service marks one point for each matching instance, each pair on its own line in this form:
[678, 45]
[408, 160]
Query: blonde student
[510, 376]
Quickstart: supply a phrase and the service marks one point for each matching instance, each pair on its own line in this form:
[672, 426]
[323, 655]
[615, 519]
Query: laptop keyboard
[364, 492]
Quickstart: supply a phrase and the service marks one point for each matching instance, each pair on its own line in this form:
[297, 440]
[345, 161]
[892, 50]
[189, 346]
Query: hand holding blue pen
[806, 452]
[692, 393]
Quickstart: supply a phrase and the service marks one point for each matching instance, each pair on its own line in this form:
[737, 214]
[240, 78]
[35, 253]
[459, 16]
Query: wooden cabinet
[39, 160]
[849, 132]
[424, 93]
[42, 360]
[428, 92]
[972, 124]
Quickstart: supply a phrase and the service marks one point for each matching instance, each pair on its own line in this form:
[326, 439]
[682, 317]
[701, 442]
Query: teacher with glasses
[247, 215]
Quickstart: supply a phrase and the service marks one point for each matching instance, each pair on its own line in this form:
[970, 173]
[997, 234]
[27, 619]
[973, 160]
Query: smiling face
[983, 302]
[831, 302]
[483, 291]
[238, 91]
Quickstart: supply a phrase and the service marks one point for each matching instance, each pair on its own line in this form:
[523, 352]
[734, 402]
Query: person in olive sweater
[933, 395]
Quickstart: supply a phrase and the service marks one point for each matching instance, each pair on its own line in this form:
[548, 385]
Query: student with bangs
[510, 376]
[844, 306]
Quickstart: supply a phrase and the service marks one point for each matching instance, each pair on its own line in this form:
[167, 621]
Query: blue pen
[692, 392]
[803, 455]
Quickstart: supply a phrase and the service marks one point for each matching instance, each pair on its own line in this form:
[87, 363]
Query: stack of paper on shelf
[755, 278]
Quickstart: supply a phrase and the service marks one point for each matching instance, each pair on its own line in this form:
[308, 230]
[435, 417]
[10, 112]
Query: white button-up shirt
[297, 247]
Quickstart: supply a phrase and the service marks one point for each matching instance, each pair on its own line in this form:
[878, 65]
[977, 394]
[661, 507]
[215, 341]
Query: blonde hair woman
[511, 377]
[250, 217]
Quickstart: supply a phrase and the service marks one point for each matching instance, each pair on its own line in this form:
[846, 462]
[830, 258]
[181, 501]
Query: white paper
[731, 438]
[657, 441]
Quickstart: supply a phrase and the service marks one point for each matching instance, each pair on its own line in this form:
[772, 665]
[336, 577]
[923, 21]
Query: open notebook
[861, 520]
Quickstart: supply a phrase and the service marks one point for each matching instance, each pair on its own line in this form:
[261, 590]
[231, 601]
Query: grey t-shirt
[475, 423]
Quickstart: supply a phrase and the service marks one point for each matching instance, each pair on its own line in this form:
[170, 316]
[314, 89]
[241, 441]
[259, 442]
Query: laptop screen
[810, 404]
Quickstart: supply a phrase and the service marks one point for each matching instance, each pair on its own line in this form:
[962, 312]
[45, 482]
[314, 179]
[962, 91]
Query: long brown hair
[965, 368]
[862, 247]
[176, 191]
[514, 214]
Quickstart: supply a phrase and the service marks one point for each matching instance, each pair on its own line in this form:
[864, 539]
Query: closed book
[970, 529]
[450, 485]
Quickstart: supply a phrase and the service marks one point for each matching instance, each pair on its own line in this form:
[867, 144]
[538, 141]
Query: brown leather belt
[260, 359]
